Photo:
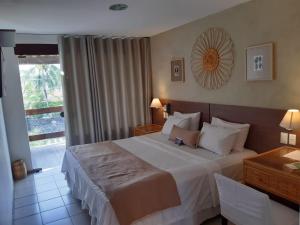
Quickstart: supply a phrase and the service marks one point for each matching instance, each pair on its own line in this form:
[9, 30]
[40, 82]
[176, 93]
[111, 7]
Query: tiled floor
[46, 199]
[49, 156]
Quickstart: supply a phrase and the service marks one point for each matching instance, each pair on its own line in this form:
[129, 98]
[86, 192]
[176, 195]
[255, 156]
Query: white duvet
[192, 170]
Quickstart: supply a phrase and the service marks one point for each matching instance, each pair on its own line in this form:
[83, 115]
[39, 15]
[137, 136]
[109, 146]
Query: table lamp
[291, 121]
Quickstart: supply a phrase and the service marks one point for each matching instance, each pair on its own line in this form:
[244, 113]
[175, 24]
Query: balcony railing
[45, 123]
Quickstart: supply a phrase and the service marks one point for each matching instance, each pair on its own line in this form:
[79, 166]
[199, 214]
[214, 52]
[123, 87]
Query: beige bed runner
[134, 188]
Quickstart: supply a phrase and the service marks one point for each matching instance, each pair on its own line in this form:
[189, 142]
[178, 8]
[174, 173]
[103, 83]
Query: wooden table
[267, 172]
[146, 129]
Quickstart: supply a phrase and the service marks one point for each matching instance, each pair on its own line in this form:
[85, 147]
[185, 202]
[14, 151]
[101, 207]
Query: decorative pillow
[217, 139]
[242, 135]
[189, 137]
[195, 117]
[171, 121]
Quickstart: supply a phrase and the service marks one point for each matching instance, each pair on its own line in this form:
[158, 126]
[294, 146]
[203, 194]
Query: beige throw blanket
[134, 187]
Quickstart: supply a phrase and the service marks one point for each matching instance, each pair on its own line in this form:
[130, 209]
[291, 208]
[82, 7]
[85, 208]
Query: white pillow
[195, 117]
[171, 121]
[241, 137]
[217, 139]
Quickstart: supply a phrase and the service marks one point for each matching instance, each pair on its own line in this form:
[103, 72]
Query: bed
[192, 170]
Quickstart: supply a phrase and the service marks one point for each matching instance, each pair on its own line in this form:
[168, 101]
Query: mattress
[192, 170]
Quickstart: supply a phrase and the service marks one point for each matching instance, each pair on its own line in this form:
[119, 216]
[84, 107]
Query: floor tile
[61, 183]
[44, 180]
[48, 157]
[30, 220]
[25, 185]
[81, 219]
[45, 187]
[29, 200]
[74, 209]
[59, 177]
[25, 192]
[28, 179]
[66, 221]
[41, 176]
[48, 195]
[26, 211]
[51, 204]
[64, 190]
[69, 199]
[54, 215]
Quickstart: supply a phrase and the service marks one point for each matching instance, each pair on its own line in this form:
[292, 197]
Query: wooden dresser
[146, 129]
[267, 171]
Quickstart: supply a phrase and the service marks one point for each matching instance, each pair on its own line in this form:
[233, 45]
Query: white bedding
[192, 170]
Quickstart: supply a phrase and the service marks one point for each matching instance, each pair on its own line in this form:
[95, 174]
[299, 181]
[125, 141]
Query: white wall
[255, 22]
[36, 39]
[6, 193]
[13, 107]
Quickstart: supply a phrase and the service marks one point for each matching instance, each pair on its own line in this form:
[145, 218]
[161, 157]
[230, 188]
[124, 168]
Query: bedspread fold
[134, 187]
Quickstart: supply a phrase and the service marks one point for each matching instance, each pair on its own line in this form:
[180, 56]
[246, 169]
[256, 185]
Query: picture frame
[260, 62]
[177, 70]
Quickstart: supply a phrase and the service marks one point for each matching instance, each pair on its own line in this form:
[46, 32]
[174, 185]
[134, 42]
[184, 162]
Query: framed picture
[259, 62]
[177, 70]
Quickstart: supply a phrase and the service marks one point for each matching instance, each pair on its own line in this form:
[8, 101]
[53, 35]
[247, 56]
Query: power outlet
[292, 139]
[284, 138]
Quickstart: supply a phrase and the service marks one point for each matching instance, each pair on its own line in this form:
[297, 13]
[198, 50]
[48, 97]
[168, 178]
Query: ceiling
[142, 18]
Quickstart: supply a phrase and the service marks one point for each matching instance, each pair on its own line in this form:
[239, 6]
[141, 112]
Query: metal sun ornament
[212, 58]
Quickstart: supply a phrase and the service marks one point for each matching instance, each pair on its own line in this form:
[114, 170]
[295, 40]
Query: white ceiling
[142, 18]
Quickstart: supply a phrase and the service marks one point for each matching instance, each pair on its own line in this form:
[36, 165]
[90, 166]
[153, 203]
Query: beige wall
[255, 22]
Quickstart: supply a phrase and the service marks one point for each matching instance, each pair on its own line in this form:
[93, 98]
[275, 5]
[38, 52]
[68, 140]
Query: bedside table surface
[275, 159]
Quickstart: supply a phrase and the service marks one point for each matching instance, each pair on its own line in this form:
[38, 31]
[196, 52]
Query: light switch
[292, 139]
[284, 138]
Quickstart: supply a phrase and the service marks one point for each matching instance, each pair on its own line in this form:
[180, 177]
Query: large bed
[192, 170]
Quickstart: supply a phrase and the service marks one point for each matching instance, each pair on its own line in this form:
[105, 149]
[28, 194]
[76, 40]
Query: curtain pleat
[107, 87]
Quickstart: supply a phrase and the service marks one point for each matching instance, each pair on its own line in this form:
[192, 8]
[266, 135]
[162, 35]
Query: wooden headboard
[182, 106]
[264, 133]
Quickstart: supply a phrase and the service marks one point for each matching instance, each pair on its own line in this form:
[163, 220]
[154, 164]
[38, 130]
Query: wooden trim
[264, 133]
[184, 107]
[46, 136]
[36, 49]
[30, 112]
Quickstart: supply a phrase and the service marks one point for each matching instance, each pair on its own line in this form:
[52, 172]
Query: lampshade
[156, 103]
[291, 120]
[7, 38]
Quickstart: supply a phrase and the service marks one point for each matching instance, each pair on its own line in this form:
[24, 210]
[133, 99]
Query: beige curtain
[107, 87]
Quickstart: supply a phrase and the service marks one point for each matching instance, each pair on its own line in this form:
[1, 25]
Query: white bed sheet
[192, 170]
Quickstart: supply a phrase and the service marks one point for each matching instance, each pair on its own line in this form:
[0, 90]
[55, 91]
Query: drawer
[257, 177]
[286, 187]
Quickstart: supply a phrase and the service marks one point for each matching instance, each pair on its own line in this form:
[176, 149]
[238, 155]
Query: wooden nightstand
[146, 129]
[267, 172]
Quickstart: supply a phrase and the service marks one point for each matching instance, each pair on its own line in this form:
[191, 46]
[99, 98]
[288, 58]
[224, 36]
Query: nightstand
[146, 129]
[267, 172]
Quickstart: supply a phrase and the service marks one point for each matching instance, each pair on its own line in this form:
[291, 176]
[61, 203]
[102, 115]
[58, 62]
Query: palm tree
[41, 78]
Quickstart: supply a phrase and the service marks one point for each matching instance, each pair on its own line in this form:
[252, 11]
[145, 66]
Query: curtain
[107, 87]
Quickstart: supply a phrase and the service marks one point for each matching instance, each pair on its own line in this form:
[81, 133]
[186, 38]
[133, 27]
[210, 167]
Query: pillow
[217, 139]
[242, 135]
[189, 137]
[195, 117]
[171, 121]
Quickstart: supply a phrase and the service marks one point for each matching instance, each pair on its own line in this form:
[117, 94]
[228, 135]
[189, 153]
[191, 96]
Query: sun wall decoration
[212, 58]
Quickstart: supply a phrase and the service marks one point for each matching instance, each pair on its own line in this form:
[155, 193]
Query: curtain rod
[100, 36]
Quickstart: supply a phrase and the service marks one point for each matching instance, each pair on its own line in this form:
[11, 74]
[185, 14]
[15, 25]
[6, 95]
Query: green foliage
[41, 85]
